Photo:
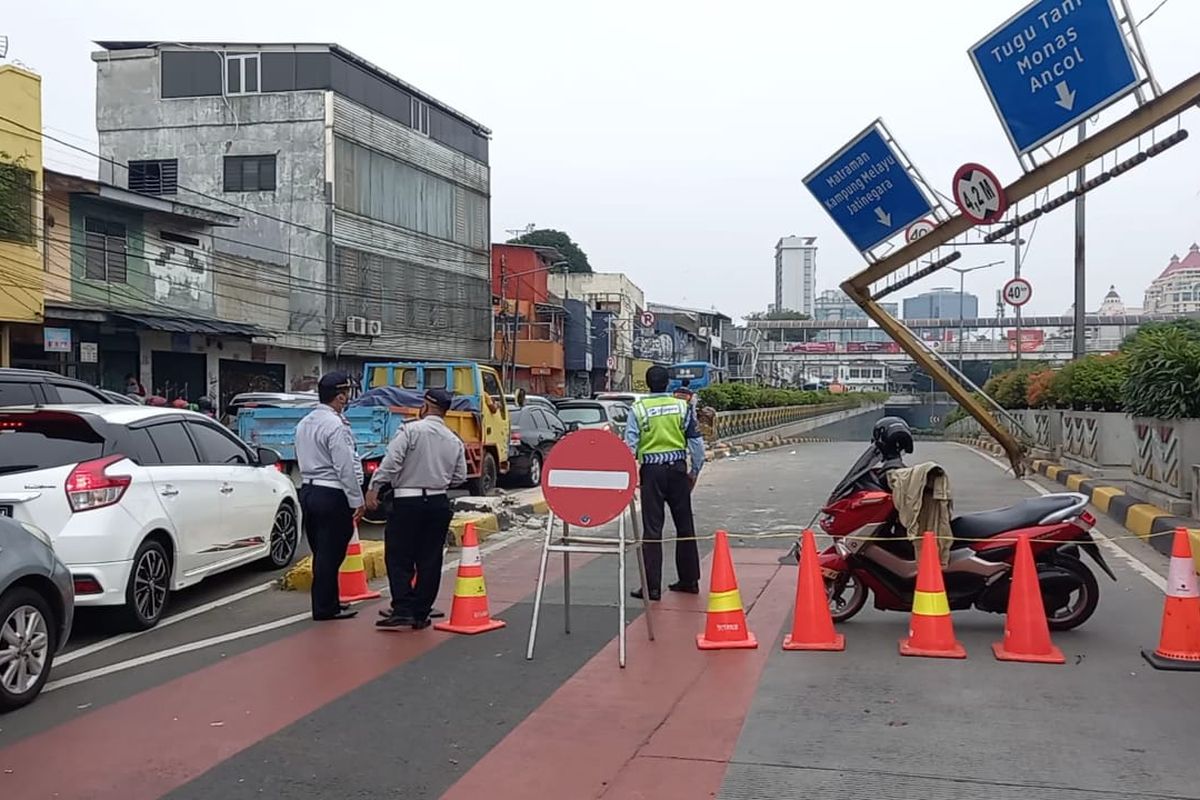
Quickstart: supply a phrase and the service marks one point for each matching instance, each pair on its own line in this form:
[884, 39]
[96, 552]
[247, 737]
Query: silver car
[37, 604]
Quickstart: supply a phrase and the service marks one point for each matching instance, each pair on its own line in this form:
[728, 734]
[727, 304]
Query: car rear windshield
[44, 440]
[584, 415]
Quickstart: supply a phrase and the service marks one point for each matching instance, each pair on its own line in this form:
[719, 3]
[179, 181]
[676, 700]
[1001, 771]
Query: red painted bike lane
[664, 727]
[150, 743]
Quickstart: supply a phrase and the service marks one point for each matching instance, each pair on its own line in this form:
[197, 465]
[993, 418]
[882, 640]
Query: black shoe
[636, 594]
[396, 622]
[436, 613]
[686, 588]
[344, 607]
[339, 615]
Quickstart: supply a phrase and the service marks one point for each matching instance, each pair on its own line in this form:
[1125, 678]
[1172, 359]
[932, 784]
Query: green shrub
[741, 396]
[1009, 389]
[1040, 392]
[1092, 383]
[1163, 370]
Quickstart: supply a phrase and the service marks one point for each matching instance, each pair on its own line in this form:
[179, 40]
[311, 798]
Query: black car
[535, 430]
[35, 387]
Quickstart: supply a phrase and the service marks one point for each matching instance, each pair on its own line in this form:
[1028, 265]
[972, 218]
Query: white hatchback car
[141, 501]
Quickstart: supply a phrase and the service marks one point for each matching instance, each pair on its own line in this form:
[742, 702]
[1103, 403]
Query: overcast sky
[670, 138]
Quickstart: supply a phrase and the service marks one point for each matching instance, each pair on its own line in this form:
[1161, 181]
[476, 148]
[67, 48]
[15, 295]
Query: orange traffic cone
[469, 612]
[1026, 633]
[812, 624]
[930, 632]
[725, 628]
[352, 576]
[1179, 642]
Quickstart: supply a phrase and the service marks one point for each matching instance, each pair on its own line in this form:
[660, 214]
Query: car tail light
[11, 424]
[1087, 519]
[279, 467]
[514, 438]
[89, 486]
[370, 467]
[86, 584]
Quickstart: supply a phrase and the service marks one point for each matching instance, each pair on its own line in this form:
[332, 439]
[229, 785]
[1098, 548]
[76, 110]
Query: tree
[577, 260]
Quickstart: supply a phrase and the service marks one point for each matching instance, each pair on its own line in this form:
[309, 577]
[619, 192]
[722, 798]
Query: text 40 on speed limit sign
[1017, 292]
[978, 193]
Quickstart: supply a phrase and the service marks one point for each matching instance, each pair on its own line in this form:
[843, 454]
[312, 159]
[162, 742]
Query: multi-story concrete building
[529, 320]
[371, 195]
[21, 251]
[796, 274]
[941, 303]
[624, 301]
[1177, 288]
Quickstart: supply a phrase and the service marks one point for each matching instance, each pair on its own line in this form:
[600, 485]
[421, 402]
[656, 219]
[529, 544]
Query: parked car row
[539, 423]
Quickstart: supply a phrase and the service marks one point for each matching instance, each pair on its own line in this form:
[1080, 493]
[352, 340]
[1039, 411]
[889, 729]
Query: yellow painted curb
[1140, 518]
[1073, 482]
[485, 525]
[1052, 471]
[299, 577]
[1102, 496]
[540, 507]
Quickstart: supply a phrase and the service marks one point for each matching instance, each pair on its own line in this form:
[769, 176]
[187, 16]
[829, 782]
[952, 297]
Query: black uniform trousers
[668, 484]
[328, 526]
[414, 544]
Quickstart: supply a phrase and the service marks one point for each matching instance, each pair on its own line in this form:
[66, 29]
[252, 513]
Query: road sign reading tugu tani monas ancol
[1054, 63]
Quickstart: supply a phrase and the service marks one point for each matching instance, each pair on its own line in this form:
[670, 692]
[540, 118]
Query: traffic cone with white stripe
[725, 627]
[469, 612]
[1179, 642]
[352, 574]
[930, 631]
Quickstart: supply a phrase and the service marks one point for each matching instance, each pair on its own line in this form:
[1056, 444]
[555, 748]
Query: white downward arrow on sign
[883, 217]
[1066, 98]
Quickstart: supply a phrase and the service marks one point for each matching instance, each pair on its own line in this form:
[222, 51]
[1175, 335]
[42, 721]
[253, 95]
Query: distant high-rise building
[834, 304]
[941, 303]
[796, 273]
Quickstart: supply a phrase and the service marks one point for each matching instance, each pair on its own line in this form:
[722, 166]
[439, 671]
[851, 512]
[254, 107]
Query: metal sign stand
[599, 545]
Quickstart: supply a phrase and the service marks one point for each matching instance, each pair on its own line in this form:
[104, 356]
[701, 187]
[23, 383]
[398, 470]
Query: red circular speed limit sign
[589, 478]
[918, 229]
[979, 194]
[1017, 292]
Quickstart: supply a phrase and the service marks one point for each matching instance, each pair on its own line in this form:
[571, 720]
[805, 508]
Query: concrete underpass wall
[812, 426]
[921, 416]
[855, 428]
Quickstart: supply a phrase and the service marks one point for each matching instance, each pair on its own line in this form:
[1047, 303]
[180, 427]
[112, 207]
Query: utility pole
[1017, 274]
[1079, 340]
[504, 328]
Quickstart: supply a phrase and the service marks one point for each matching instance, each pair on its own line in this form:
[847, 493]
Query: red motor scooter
[871, 551]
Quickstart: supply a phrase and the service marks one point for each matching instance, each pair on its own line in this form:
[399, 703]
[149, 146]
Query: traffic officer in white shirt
[423, 461]
[331, 494]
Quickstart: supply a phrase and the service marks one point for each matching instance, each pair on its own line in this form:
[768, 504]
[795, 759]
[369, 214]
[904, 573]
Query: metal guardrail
[727, 424]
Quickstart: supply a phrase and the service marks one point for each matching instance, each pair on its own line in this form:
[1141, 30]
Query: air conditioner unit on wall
[356, 326]
[374, 327]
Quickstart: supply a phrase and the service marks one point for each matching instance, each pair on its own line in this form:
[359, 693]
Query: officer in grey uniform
[422, 462]
[331, 494]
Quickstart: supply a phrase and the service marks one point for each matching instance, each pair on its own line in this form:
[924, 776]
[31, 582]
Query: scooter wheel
[1083, 601]
[847, 596]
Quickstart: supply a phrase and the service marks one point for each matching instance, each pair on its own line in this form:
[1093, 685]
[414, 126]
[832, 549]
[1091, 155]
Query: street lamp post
[962, 277]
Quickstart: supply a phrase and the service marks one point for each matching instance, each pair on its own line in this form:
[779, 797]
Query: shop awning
[180, 324]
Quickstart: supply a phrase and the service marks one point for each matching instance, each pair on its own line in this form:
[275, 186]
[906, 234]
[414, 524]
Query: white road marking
[1114, 549]
[166, 622]
[190, 647]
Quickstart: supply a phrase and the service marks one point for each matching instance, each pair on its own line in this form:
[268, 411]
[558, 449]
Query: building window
[105, 250]
[250, 173]
[420, 116]
[16, 204]
[159, 176]
[242, 74]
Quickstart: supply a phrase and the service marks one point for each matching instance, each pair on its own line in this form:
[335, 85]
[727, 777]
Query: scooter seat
[986, 524]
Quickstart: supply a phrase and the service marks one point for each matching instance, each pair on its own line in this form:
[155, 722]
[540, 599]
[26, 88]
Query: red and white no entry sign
[1017, 292]
[589, 478]
[979, 193]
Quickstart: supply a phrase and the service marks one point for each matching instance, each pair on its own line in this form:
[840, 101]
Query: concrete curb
[1142, 519]
[721, 451]
[487, 524]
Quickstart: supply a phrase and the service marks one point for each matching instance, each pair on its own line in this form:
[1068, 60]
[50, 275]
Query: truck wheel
[485, 484]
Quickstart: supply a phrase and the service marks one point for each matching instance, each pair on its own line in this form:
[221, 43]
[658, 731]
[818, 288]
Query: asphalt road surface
[241, 696]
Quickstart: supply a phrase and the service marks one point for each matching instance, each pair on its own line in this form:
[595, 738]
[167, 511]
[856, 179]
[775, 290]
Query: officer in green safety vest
[662, 432]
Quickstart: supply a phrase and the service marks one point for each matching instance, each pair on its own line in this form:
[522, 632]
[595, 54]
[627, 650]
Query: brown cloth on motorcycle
[921, 494]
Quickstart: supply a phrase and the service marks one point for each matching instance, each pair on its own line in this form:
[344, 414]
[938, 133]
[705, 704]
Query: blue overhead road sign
[1053, 64]
[867, 190]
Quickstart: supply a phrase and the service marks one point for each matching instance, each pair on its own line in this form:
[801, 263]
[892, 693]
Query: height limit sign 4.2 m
[1052, 64]
[867, 190]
